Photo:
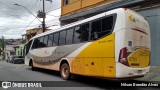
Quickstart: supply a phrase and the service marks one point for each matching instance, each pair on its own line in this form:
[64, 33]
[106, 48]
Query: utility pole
[44, 16]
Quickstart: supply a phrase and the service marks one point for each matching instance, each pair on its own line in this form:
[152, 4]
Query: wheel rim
[65, 71]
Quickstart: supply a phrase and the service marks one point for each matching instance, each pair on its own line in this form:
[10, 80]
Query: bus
[114, 44]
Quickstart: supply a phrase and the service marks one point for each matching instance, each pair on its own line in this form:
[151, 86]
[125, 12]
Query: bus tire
[33, 68]
[65, 71]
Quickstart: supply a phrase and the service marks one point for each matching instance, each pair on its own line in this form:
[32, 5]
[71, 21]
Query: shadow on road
[46, 71]
[83, 81]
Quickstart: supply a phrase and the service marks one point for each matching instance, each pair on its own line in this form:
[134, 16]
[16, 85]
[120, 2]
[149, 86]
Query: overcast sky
[15, 20]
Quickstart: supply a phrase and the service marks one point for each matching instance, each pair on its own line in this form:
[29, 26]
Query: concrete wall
[153, 17]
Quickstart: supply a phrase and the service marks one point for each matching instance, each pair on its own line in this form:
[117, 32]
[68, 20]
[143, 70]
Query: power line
[10, 11]
[15, 27]
[28, 11]
[8, 6]
[34, 18]
[26, 27]
[34, 5]
[12, 15]
[27, 4]
[54, 16]
[53, 10]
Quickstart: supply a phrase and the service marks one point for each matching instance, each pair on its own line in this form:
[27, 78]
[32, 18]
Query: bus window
[96, 28]
[28, 45]
[85, 32]
[50, 40]
[101, 28]
[56, 37]
[45, 40]
[35, 43]
[41, 44]
[69, 37]
[62, 38]
[77, 34]
[107, 25]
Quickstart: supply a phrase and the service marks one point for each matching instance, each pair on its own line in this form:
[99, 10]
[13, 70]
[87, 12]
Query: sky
[15, 20]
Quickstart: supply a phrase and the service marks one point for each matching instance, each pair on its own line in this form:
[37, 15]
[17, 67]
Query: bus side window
[35, 43]
[50, 40]
[85, 32]
[28, 45]
[77, 34]
[96, 29]
[107, 26]
[69, 37]
[46, 41]
[41, 44]
[101, 28]
[62, 38]
[56, 37]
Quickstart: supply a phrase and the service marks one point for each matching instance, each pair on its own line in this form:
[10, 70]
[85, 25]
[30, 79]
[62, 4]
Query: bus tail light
[123, 56]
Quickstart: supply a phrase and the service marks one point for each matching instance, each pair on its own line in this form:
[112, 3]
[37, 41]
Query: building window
[66, 2]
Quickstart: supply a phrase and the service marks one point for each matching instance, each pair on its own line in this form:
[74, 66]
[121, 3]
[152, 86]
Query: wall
[153, 17]
[79, 5]
[19, 50]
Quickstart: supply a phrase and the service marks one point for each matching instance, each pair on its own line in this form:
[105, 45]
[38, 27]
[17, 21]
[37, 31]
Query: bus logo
[6, 85]
[132, 19]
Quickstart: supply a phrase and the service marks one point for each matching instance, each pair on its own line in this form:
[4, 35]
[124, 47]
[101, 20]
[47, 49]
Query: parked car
[18, 59]
[10, 59]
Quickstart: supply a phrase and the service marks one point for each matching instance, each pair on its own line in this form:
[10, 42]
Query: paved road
[20, 72]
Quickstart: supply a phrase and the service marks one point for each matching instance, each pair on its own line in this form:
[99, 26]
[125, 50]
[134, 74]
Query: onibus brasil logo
[6, 85]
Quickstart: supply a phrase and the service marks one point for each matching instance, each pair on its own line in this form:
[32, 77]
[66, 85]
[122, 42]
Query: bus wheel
[65, 71]
[33, 68]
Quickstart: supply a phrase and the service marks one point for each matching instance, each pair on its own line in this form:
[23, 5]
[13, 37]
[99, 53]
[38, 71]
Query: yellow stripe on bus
[98, 59]
[139, 58]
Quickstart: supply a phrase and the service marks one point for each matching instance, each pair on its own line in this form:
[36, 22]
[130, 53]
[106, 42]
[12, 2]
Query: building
[72, 7]
[9, 51]
[74, 10]
[20, 50]
[32, 32]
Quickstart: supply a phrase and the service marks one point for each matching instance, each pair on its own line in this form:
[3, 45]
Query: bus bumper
[123, 71]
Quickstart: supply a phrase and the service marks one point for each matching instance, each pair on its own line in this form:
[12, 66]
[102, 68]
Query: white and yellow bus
[113, 44]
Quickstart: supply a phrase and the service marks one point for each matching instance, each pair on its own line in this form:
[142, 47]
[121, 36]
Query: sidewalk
[154, 75]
